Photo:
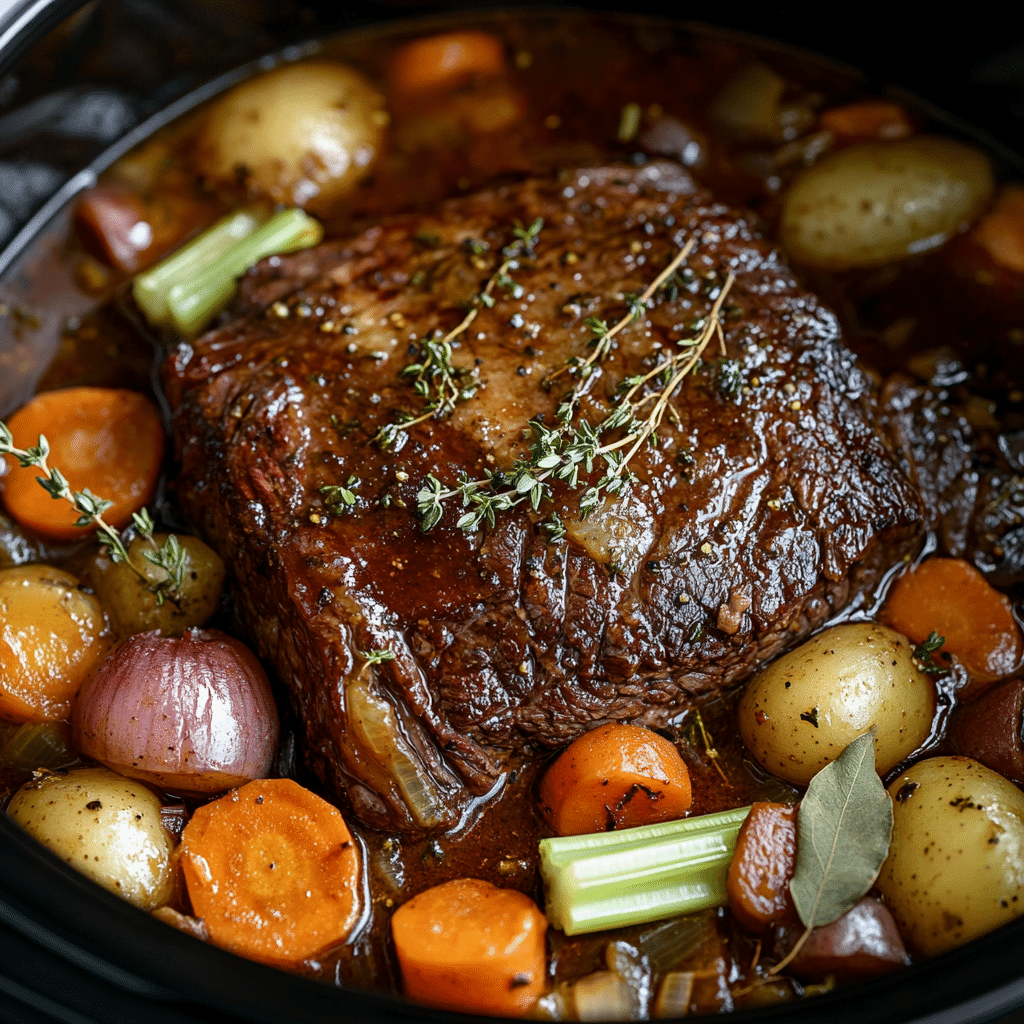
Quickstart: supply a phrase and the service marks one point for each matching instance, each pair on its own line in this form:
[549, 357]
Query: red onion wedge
[191, 714]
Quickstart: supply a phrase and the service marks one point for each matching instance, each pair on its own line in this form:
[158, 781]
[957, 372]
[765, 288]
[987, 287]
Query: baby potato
[133, 606]
[955, 868]
[52, 634]
[104, 825]
[876, 202]
[303, 134]
[803, 710]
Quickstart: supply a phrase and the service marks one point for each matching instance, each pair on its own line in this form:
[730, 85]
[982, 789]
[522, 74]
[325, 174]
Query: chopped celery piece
[613, 879]
[150, 288]
[193, 302]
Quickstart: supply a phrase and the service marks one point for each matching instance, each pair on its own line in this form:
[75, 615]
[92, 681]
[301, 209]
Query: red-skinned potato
[861, 944]
[991, 730]
[191, 714]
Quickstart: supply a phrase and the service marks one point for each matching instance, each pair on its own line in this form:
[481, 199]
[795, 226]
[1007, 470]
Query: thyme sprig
[435, 378]
[170, 556]
[636, 306]
[924, 654]
[574, 445]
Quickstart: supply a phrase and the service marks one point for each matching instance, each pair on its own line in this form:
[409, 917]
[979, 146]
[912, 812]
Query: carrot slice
[1001, 230]
[108, 440]
[616, 776]
[469, 946]
[871, 119]
[437, 62]
[272, 871]
[763, 864]
[950, 596]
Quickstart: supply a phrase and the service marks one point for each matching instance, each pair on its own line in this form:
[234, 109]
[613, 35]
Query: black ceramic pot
[70, 952]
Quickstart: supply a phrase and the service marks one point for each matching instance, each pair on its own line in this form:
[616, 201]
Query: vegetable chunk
[878, 202]
[762, 866]
[443, 61]
[272, 870]
[616, 776]
[950, 597]
[104, 825]
[469, 946]
[955, 868]
[805, 708]
[302, 134]
[52, 635]
[107, 440]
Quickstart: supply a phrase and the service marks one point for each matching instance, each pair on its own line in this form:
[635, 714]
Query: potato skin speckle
[955, 868]
[104, 825]
[804, 709]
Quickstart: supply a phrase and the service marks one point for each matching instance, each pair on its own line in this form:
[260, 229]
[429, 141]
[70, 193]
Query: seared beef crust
[757, 517]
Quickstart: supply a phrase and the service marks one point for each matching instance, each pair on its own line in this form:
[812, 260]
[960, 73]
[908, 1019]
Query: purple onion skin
[191, 714]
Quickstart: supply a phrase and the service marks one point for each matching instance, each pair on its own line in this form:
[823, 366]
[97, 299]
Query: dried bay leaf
[843, 832]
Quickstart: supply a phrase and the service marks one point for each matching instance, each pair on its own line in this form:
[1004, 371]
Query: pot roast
[422, 662]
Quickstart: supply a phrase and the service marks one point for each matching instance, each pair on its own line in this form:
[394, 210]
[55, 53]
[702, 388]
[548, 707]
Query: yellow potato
[52, 634]
[302, 134]
[955, 868]
[104, 825]
[133, 606]
[877, 202]
[803, 710]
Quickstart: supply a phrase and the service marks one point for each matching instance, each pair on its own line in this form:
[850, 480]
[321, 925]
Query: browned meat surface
[758, 515]
[970, 476]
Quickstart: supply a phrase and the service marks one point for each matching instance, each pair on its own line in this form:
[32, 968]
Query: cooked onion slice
[192, 714]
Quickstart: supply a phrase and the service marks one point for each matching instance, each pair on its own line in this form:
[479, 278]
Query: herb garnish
[340, 499]
[376, 657]
[574, 445]
[434, 377]
[924, 654]
[843, 830]
[170, 556]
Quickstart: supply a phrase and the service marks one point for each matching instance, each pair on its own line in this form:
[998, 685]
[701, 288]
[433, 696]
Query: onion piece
[37, 745]
[604, 995]
[670, 942]
[674, 995]
[191, 714]
[375, 727]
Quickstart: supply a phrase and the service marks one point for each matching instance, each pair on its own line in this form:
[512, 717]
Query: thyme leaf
[435, 378]
[376, 657]
[924, 654]
[170, 556]
[575, 445]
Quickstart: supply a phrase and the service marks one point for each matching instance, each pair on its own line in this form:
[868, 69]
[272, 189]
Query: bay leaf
[843, 830]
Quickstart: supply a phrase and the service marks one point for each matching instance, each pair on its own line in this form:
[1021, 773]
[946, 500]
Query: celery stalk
[192, 302]
[150, 288]
[613, 879]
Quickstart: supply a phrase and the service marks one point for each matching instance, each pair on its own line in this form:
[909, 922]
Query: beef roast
[769, 501]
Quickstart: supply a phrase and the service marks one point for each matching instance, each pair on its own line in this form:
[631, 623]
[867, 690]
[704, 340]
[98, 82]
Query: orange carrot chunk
[471, 947]
[440, 62]
[761, 867]
[616, 776]
[950, 596]
[108, 440]
[273, 872]
[870, 119]
[1001, 230]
